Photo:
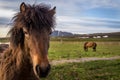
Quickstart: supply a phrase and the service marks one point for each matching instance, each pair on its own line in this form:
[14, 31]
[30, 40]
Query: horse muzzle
[42, 72]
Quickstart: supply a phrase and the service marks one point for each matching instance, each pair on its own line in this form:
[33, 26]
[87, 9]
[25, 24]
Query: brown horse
[90, 44]
[26, 58]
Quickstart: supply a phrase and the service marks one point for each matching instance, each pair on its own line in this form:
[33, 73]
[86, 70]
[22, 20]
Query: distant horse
[26, 58]
[90, 44]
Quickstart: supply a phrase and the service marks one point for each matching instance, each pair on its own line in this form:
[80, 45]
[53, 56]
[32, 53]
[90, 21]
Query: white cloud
[84, 30]
[87, 24]
[87, 20]
[78, 19]
[67, 12]
[4, 31]
[6, 13]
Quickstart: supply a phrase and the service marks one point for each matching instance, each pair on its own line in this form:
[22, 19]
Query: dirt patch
[86, 59]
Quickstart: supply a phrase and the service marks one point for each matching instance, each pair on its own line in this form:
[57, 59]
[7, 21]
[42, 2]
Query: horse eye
[25, 32]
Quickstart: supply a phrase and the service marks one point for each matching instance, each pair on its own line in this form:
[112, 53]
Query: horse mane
[12, 61]
[3, 47]
[35, 15]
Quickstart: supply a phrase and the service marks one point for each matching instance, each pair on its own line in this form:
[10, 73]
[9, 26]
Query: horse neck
[15, 65]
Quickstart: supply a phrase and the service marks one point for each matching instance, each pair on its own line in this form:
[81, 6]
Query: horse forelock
[35, 17]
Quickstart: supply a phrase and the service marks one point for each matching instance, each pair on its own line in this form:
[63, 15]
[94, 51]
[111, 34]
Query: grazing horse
[90, 44]
[26, 58]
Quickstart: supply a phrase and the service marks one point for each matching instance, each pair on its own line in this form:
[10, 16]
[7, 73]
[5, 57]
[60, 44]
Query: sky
[76, 16]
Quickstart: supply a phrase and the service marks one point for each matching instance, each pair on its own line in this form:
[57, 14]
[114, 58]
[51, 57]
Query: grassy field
[85, 39]
[94, 70]
[68, 50]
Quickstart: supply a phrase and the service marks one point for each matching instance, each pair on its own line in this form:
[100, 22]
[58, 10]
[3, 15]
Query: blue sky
[76, 16]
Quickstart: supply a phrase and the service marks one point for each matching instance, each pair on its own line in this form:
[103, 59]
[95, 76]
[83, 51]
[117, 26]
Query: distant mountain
[61, 34]
[94, 35]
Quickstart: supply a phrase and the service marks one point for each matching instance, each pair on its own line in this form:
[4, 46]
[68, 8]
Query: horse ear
[52, 11]
[22, 7]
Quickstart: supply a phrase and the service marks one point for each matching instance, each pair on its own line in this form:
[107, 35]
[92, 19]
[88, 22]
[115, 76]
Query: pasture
[74, 49]
[93, 70]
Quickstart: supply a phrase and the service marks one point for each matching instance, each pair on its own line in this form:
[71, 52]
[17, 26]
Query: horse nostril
[38, 69]
[49, 67]
[42, 71]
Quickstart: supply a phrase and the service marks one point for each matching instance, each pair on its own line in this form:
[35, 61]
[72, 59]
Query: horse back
[90, 44]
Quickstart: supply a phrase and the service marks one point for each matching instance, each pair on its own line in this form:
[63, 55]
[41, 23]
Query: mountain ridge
[57, 33]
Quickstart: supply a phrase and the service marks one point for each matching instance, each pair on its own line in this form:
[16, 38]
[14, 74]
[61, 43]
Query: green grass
[84, 39]
[3, 40]
[68, 50]
[94, 70]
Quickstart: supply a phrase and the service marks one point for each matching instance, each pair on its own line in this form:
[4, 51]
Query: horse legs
[94, 48]
[85, 49]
